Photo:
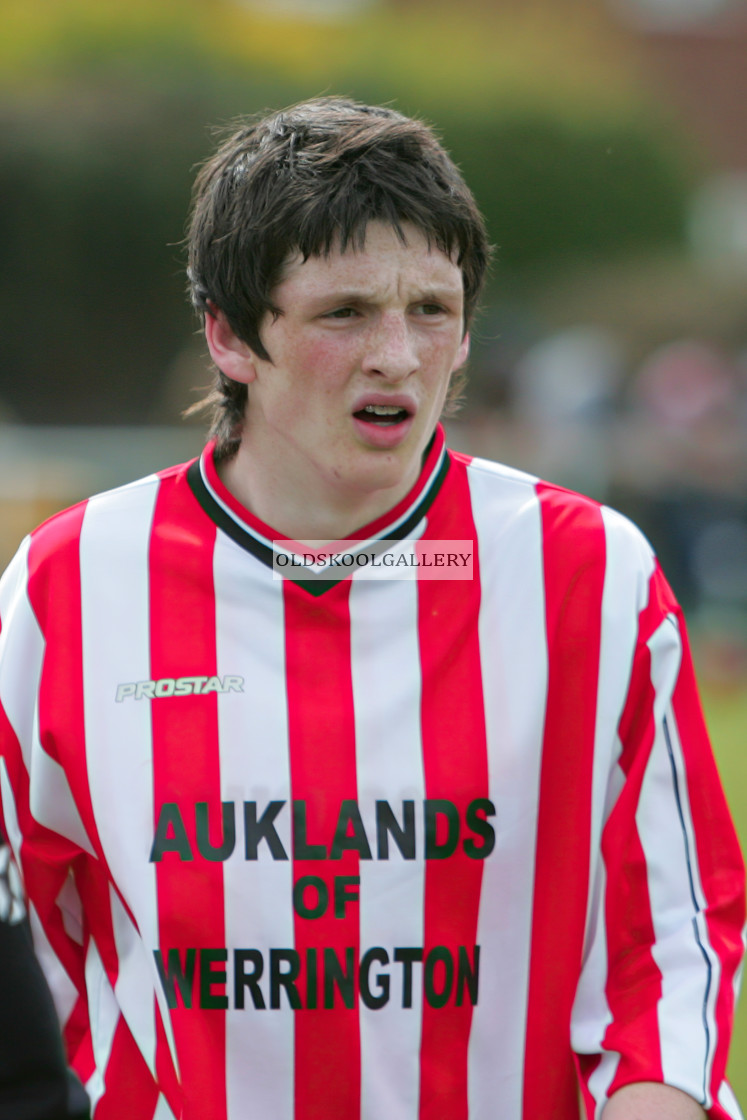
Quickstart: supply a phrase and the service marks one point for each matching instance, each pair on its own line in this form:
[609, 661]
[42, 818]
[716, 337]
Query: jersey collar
[257, 537]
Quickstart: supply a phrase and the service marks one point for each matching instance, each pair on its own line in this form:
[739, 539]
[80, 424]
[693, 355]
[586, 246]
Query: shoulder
[566, 532]
[493, 475]
[116, 506]
[569, 516]
[565, 514]
[51, 552]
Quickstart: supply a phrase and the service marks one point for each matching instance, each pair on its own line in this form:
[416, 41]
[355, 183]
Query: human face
[361, 359]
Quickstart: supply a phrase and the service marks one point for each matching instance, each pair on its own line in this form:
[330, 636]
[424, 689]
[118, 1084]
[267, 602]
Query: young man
[307, 833]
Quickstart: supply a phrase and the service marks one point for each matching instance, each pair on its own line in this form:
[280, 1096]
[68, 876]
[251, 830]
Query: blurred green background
[606, 141]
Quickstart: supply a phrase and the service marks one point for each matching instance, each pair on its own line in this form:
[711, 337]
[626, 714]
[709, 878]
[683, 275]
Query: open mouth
[383, 415]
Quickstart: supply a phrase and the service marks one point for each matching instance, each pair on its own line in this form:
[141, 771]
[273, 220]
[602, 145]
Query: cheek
[438, 360]
[442, 349]
[322, 366]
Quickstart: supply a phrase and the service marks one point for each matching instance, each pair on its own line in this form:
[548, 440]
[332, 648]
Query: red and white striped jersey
[369, 848]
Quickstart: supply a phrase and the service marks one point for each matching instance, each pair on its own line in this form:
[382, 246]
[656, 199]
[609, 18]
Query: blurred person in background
[564, 391]
[313, 844]
[681, 467]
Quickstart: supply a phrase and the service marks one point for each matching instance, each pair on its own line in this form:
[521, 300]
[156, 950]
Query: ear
[462, 353]
[231, 355]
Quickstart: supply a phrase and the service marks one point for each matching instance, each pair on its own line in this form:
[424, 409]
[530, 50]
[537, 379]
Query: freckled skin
[387, 319]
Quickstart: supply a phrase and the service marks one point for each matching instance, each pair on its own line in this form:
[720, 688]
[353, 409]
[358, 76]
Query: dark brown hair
[306, 180]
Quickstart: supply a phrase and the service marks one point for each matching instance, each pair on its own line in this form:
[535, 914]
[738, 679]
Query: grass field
[727, 720]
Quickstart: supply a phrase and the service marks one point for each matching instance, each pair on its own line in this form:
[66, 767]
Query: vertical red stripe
[719, 858]
[44, 861]
[585, 1066]
[456, 770]
[186, 770]
[130, 1089]
[55, 581]
[54, 590]
[54, 594]
[82, 1060]
[321, 731]
[574, 561]
[168, 1081]
[634, 979]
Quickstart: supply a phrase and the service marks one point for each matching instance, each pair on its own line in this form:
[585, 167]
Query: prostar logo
[177, 686]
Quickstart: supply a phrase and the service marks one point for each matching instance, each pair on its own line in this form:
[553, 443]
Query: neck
[303, 515]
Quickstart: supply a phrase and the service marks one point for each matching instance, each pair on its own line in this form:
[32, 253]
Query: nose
[391, 350]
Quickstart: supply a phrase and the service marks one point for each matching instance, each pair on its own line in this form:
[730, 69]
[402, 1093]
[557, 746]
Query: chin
[373, 470]
[373, 476]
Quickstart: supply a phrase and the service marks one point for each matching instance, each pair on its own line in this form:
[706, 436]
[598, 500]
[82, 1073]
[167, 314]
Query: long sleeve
[36, 814]
[35, 1083]
[665, 934]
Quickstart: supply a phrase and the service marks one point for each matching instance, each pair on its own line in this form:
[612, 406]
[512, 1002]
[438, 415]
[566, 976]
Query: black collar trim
[259, 545]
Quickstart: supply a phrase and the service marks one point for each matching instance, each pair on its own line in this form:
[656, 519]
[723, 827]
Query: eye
[341, 313]
[431, 309]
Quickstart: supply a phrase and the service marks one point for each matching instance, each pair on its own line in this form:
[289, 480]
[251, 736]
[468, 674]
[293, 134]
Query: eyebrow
[361, 295]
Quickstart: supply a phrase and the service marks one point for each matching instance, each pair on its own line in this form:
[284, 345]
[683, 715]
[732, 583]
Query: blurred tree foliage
[104, 115]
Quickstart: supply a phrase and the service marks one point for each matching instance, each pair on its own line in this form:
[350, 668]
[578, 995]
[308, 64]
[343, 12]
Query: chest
[239, 724]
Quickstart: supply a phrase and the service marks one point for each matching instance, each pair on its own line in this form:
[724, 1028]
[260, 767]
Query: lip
[387, 436]
[396, 400]
[383, 437]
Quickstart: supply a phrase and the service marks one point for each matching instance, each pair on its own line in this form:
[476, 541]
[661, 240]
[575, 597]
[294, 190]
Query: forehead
[382, 262]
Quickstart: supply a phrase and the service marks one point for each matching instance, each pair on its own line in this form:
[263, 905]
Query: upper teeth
[383, 409]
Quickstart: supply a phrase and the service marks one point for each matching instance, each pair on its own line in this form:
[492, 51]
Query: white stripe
[628, 569]
[600, 1081]
[254, 766]
[134, 988]
[103, 1016]
[21, 653]
[386, 683]
[21, 657]
[728, 1102]
[163, 1112]
[706, 950]
[514, 671]
[50, 800]
[115, 609]
[64, 992]
[71, 909]
[10, 814]
[739, 972]
[690, 969]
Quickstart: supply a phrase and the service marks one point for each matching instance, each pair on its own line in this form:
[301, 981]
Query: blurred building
[692, 52]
